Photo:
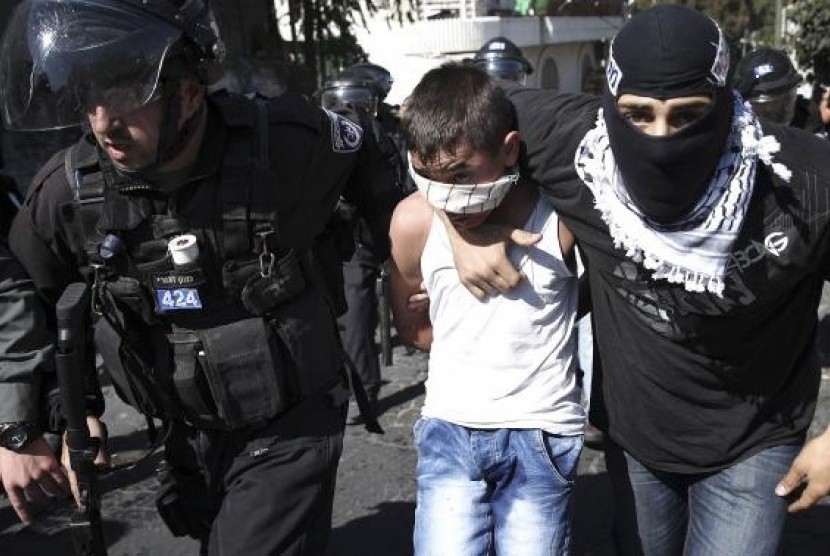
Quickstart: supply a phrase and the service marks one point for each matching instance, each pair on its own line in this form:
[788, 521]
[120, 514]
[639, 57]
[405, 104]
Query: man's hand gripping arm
[480, 256]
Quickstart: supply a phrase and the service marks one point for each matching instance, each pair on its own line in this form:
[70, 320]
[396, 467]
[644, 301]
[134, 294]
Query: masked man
[707, 239]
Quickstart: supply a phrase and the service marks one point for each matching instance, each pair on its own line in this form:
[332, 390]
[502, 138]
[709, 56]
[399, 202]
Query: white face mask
[463, 198]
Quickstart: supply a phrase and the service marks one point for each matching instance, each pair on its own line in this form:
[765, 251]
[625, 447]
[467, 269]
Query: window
[550, 74]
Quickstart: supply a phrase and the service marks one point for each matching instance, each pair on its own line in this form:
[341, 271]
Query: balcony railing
[466, 9]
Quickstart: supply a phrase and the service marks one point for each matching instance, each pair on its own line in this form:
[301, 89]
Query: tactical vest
[227, 340]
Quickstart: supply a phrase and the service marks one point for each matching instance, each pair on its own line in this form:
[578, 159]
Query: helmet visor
[60, 59]
[349, 98]
[503, 68]
[775, 107]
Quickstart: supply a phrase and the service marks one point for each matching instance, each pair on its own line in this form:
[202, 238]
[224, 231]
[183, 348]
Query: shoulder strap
[248, 214]
[84, 177]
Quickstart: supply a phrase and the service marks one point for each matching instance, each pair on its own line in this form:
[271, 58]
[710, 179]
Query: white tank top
[510, 361]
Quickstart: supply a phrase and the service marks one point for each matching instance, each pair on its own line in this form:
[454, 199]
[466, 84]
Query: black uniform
[237, 349]
[678, 365]
[26, 358]
[361, 271]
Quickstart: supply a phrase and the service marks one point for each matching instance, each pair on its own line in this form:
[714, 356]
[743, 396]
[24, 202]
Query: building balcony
[469, 9]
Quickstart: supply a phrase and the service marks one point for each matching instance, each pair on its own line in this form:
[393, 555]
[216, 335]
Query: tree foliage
[750, 21]
[319, 34]
[812, 49]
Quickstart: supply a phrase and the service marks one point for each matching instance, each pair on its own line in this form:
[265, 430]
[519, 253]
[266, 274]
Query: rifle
[72, 311]
[382, 289]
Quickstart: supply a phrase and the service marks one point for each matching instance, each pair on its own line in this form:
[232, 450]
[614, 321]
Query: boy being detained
[501, 430]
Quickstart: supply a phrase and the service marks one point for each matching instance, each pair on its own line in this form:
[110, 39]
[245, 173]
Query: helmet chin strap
[173, 140]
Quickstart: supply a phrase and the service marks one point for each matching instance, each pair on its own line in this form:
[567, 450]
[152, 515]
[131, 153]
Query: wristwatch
[17, 435]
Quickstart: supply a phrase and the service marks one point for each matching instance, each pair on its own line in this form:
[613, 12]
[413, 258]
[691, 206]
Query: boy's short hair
[456, 104]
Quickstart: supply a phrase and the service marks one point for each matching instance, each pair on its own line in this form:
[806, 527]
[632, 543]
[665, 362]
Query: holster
[232, 376]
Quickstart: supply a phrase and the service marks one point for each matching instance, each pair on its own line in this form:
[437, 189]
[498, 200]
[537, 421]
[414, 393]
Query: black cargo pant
[358, 323]
[268, 492]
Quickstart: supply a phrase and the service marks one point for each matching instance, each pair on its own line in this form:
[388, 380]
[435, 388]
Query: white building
[562, 48]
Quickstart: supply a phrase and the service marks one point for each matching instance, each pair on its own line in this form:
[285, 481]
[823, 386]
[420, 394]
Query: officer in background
[29, 468]
[9, 196]
[767, 79]
[388, 116]
[360, 89]
[193, 219]
[819, 115]
[502, 59]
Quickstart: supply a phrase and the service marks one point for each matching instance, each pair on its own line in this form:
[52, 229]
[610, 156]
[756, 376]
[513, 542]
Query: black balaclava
[663, 53]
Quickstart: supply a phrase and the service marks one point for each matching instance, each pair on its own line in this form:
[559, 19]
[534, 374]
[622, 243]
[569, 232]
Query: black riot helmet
[61, 57]
[351, 89]
[379, 74]
[767, 79]
[502, 59]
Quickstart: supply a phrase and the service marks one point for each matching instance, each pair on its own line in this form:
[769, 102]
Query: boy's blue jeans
[732, 511]
[502, 491]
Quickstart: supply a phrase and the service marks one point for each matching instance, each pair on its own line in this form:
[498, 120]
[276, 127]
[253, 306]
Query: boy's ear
[510, 148]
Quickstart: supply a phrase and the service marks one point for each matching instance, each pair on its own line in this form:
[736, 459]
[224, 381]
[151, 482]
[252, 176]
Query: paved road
[374, 504]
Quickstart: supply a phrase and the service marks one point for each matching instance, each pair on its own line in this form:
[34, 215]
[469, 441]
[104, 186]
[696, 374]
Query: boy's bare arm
[408, 233]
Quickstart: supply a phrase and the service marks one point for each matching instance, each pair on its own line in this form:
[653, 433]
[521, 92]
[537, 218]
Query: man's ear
[191, 96]
[510, 148]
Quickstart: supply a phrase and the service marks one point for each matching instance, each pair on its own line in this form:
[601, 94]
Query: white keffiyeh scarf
[696, 250]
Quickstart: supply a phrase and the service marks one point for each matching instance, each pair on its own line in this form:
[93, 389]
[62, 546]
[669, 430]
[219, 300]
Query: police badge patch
[346, 136]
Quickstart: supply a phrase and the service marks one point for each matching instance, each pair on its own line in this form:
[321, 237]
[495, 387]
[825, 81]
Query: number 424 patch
[179, 299]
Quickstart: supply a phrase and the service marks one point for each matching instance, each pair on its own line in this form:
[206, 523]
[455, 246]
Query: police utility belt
[215, 339]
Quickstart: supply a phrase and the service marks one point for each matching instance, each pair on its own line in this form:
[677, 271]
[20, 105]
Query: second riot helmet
[379, 74]
[351, 89]
[767, 79]
[502, 59]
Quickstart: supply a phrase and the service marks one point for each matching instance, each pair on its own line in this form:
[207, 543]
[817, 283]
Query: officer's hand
[480, 255]
[35, 472]
[418, 301]
[97, 429]
[810, 472]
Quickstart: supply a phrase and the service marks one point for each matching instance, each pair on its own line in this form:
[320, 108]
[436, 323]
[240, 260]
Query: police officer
[502, 59]
[29, 468]
[360, 89]
[387, 114]
[193, 219]
[393, 145]
[767, 79]
[818, 120]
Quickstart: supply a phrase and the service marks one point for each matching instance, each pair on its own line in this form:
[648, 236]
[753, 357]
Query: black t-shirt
[692, 382]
